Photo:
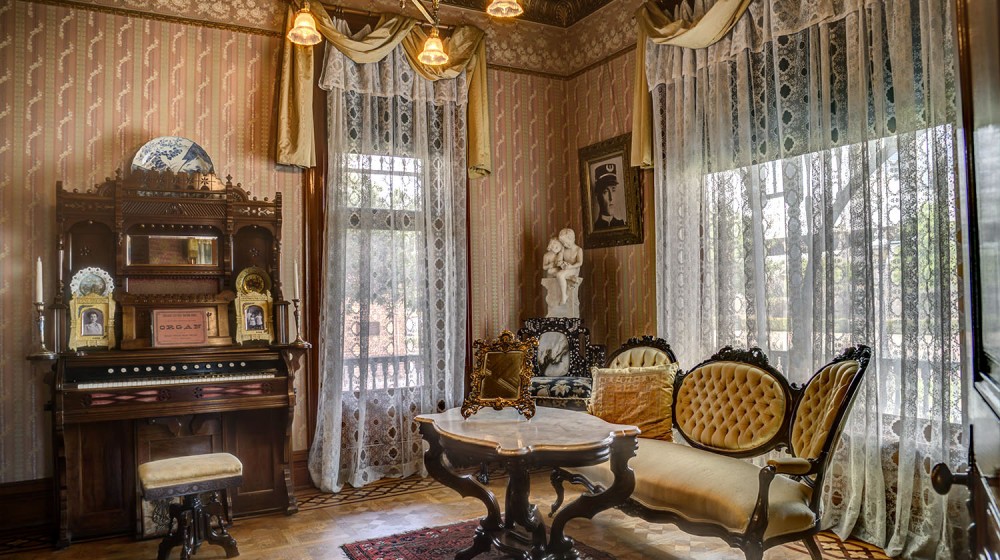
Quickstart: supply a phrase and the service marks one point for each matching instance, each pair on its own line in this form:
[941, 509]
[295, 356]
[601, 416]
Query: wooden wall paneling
[300, 470]
[27, 504]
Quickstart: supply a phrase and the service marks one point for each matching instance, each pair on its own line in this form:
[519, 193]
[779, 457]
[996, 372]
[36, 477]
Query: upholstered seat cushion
[189, 470]
[706, 487]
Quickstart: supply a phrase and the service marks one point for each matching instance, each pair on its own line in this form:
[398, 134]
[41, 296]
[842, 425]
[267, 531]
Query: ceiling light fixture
[433, 53]
[504, 8]
[304, 31]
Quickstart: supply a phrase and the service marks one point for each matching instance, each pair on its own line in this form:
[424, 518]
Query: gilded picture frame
[610, 194]
[501, 375]
[254, 317]
[92, 310]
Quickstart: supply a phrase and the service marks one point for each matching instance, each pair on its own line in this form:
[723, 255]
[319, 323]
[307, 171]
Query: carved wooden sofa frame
[733, 406]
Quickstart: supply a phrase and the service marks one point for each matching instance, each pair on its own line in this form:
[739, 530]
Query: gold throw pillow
[639, 396]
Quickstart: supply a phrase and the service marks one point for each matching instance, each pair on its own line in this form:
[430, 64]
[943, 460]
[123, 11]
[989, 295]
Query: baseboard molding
[300, 470]
[26, 504]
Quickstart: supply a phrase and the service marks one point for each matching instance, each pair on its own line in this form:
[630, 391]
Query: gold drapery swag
[652, 23]
[466, 48]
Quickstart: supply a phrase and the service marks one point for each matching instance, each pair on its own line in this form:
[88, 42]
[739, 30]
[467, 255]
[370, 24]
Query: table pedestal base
[521, 533]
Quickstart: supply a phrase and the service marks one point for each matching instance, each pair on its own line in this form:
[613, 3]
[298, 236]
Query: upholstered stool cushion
[707, 487]
[185, 475]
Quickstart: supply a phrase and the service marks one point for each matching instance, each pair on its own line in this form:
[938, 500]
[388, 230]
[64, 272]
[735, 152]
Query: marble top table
[552, 438]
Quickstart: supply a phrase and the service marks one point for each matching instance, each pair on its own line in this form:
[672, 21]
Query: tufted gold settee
[733, 406]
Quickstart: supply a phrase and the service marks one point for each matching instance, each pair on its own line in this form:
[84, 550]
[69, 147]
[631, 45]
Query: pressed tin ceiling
[562, 13]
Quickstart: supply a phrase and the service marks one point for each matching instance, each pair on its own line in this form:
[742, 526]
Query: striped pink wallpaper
[539, 124]
[80, 92]
[522, 204]
[619, 298]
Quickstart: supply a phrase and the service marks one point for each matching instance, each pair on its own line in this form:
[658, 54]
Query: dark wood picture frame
[581, 354]
[607, 176]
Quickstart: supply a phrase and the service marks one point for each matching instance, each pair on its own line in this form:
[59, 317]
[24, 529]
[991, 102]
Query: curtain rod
[334, 9]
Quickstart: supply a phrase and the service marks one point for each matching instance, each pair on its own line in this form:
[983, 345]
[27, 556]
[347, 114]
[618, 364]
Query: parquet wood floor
[326, 522]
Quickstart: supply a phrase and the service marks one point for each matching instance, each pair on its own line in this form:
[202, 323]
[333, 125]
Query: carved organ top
[170, 240]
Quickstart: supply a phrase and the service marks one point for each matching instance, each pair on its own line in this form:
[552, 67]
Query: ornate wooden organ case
[170, 242]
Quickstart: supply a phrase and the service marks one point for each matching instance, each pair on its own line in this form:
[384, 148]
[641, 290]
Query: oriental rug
[435, 543]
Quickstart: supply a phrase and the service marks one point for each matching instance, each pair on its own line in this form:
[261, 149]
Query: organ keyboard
[155, 381]
[100, 386]
[170, 373]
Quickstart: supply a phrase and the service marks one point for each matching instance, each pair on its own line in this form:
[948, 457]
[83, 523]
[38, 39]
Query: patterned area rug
[435, 543]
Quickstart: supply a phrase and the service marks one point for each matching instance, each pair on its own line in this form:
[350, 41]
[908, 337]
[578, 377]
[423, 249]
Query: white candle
[296, 285]
[39, 297]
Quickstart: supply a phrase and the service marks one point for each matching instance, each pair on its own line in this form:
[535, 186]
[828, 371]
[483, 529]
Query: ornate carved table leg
[588, 505]
[467, 487]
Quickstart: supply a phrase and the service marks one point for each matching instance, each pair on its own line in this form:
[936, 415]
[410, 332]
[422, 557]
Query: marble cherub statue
[563, 261]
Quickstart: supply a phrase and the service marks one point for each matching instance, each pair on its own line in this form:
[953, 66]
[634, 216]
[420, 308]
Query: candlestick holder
[298, 342]
[43, 353]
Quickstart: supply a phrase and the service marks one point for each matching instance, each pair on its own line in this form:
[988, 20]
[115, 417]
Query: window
[882, 214]
[384, 283]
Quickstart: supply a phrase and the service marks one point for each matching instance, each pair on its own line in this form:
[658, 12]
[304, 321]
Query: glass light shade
[304, 31]
[433, 53]
[504, 8]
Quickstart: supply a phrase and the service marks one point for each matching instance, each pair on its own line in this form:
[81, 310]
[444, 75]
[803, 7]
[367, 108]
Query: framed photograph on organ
[610, 193]
[253, 306]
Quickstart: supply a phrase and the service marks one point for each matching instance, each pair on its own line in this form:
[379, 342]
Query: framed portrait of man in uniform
[611, 196]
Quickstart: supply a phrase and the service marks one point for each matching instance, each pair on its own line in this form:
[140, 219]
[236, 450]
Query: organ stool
[191, 520]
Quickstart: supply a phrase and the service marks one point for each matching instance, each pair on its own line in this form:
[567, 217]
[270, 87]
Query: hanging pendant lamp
[433, 53]
[504, 8]
[304, 32]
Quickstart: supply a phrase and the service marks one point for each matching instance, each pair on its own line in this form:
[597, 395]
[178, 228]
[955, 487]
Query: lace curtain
[394, 301]
[805, 184]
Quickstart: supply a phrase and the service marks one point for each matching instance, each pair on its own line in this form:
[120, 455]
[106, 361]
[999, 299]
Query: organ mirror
[170, 249]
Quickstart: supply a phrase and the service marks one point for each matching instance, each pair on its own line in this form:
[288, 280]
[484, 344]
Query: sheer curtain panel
[394, 301]
[805, 184]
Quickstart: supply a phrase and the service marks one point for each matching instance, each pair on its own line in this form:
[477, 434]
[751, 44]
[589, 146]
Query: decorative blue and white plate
[172, 153]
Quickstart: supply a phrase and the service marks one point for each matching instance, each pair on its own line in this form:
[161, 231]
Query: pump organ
[115, 408]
